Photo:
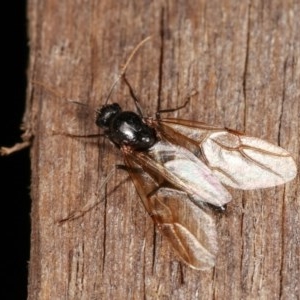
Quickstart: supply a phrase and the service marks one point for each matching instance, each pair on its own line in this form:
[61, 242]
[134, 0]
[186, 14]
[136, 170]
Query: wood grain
[243, 59]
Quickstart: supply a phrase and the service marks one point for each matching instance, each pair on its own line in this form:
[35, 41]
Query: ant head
[106, 113]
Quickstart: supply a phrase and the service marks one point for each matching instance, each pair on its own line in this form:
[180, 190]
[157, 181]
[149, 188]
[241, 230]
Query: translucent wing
[237, 160]
[185, 171]
[190, 230]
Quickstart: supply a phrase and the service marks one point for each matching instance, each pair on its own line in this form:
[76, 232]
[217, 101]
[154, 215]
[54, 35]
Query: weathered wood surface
[243, 59]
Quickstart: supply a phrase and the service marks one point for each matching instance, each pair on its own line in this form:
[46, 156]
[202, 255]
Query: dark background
[14, 169]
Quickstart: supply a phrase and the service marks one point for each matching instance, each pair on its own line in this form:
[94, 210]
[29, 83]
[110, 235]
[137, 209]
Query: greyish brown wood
[243, 59]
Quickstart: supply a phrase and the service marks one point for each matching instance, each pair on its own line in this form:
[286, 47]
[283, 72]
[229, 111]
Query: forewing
[237, 160]
[190, 230]
[185, 171]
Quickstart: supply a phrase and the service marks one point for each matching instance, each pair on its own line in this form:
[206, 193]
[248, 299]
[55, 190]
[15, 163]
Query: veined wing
[237, 160]
[189, 229]
[185, 171]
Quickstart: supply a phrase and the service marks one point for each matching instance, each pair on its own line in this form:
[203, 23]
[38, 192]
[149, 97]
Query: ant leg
[188, 99]
[92, 203]
[133, 95]
[78, 135]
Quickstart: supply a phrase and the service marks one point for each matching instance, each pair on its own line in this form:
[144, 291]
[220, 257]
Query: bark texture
[243, 59]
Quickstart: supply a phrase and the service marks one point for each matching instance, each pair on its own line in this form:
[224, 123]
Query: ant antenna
[123, 71]
[47, 88]
[55, 93]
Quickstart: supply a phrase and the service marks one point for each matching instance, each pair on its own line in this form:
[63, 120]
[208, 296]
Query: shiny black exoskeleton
[125, 127]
